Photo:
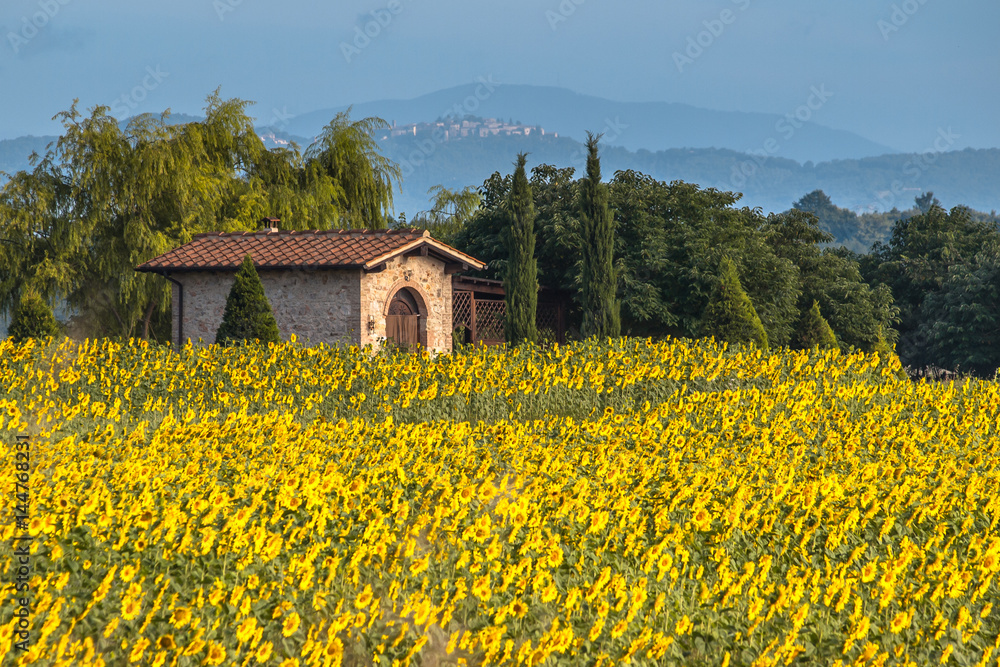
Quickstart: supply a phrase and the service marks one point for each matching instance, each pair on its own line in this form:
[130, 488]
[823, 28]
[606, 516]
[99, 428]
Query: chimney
[269, 225]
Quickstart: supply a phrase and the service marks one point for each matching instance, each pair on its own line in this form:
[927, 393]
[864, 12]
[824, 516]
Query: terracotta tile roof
[313, 249]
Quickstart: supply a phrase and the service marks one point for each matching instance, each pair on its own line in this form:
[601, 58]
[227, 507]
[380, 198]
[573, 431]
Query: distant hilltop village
[441, 131]
[445, 130]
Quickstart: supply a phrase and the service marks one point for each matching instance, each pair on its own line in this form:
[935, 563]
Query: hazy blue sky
[899, 71]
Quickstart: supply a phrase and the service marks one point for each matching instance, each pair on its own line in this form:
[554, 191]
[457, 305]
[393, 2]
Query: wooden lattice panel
[489, 320]
[461, 310]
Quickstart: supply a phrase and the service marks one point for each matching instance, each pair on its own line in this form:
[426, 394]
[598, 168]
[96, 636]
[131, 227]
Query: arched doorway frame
[421, 300]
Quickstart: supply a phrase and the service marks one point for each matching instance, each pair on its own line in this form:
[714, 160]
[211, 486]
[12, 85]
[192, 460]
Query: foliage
[659, 503]
[730, 316]
[672, 238]
[669, 241]
[815, 331]
[860, 315]
[961, 321]
[599, 281]
[248, 316]
[557, 229]
[924, 251]
[450, 212]
[521, 283]
[348, 153]
[32, 319]
[840, 223]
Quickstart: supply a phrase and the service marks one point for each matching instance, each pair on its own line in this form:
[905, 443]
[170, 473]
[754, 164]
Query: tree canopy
[931, 265]
[669, 241]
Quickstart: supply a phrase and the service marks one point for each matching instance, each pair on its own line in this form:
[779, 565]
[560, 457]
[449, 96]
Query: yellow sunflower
[216, 654]
[130, 609]
[180, 617]
[899, 623]
[263, 653]
[290, 625]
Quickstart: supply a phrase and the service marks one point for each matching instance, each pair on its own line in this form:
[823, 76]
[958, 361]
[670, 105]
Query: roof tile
[221, 251]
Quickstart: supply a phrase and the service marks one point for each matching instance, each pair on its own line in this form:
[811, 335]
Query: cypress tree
[816, 331]
[521, 288]
[248, 313]
[730, 315]
[32, 319]
[601, 310]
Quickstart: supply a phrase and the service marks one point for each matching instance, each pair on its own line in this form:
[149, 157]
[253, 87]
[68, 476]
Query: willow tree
[521, 285]
[601, 315]
[450, 211]
[348, 153]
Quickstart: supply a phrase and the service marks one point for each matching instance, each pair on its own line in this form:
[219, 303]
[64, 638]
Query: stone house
[354, 286]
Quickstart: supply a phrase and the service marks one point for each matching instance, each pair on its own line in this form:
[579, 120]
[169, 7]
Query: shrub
[248, 313]
[816, 331]
[32, 319]
[730, 315]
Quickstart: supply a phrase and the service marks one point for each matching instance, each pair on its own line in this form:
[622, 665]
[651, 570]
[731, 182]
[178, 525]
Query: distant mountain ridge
[14, 153]
[968, 177]
[636, 126]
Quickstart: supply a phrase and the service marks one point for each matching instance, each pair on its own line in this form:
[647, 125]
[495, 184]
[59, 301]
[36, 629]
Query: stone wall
[317, 306]
[331, 306]
[175, 316]
[428, 279]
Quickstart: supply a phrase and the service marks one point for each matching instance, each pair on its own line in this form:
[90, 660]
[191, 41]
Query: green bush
[32, 319]
[816, 331]
[730, 315]
[248, 314]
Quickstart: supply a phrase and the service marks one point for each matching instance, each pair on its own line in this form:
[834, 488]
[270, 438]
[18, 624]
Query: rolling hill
[632, 125]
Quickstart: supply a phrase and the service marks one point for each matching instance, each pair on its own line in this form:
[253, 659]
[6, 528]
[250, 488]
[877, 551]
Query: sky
[899, 72]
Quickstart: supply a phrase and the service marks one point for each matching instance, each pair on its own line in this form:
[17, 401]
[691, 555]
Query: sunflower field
[626, 502]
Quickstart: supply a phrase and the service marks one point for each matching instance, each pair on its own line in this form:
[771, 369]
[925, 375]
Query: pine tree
[521, 285]
[32, 319]
[248, 313]
[601, 310]
[814, 330]
[730, 315]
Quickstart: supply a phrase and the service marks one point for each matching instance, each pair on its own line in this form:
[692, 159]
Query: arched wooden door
[402, 324]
